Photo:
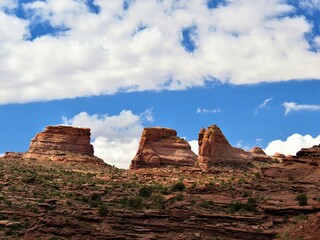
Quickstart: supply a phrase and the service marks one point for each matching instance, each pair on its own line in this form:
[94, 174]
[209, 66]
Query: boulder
[160, 147]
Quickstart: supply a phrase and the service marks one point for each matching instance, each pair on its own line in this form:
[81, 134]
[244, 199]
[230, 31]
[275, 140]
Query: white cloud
[310, 5]
[2, 154]
[194, 146]
[115, 138]
[292, 106]
[262, 105]
[243, 42]
[292, 145]
[204, 110]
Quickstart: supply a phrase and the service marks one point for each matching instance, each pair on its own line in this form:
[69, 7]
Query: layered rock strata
[161, 146]
[63, 143]
[215, 148]
[62, 138]
[309, 153]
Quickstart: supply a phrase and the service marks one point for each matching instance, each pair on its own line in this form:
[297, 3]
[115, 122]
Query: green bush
[302, 199]
[158, 201]
[179, 197]
[133, 202]
[145, 191]
[103, 210]
[95, 197]
[204, 204]
[178, 187]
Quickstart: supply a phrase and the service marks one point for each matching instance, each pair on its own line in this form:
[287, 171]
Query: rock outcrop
[63, 143]
[161, 146]
[309, 153]
[62, 138]
[258, 150]
[215, 148]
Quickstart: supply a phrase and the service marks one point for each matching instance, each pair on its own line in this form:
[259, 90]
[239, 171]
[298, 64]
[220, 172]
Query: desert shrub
[158, 201]
[95, 197]
[245, 194]
[179, 197]
[133, 202]
[145, 191]
[204, 204]
[102, 210]
[290, 177]
[302, 199]
[239, 206]
[178, 187]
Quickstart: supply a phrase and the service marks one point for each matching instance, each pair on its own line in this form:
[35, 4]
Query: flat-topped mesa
[55, 139]
[160, 147]
[63, 143]
[215, 148]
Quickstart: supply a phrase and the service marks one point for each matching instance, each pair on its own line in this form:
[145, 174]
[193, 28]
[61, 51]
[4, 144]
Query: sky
[250, 66]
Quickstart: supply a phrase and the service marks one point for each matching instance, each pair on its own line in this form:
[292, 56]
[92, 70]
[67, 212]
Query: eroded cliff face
[309, 153]
[215, 148]
[63, 143]
[161, 146]
[56, 139]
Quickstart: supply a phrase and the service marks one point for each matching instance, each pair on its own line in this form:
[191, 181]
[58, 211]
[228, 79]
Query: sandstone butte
[215, 148]
[62, 143]
[160, 147]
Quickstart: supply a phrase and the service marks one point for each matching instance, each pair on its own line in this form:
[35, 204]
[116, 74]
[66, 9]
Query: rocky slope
[241, 198]
[161, 147]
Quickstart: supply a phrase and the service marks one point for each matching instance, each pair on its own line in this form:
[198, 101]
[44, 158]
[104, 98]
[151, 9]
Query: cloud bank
[70, 48]
[292, 145]
[115, 138]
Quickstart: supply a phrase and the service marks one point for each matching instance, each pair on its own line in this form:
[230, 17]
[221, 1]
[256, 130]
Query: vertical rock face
[215, 148]
[160, 147]
[55, 139]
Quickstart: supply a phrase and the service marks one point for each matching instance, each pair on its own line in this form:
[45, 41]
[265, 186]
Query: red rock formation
[63, 143]
[279, 155]
[258, 150]
[215, 148]
[309, 153]
[62, 138]
[161, 146]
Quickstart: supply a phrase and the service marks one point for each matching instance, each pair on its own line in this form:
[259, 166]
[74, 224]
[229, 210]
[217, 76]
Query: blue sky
[252, 67]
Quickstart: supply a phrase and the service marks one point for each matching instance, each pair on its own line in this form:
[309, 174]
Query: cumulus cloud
[194, 146]
[115, 138]
[144, 46]
[204, 110]
[292, 145]
[310, 5]
[292, 106]
[262, 105]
